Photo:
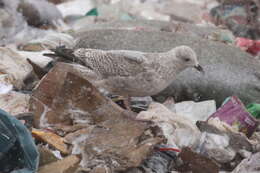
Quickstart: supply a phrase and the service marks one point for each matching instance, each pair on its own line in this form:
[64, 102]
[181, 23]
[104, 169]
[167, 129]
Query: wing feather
[113, 63]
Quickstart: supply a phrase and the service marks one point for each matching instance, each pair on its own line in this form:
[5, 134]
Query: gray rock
[39, 13]
[13, 25]
[229, 71]
[149, 25]
[10, 21]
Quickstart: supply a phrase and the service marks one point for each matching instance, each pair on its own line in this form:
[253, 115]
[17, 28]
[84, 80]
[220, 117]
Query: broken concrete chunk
[70, 138]
[66, 165]
[119, 146]
[58, 99]
[76, 139]
[63, 130]
[114, 139]
[52, 139]
[47, 95]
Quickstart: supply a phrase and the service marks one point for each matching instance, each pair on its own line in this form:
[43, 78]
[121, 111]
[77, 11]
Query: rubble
[15, 66]
[43, 99]
[14, 102]
[106, 136]
[52, 139]
[68, 164]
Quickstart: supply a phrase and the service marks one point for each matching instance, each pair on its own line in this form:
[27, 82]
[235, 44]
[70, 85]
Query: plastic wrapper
[234, 113]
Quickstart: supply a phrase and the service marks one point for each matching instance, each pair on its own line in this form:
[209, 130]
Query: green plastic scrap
[92, 12]
[254, 109]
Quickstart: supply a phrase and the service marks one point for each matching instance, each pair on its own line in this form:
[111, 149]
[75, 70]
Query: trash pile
[53, 118]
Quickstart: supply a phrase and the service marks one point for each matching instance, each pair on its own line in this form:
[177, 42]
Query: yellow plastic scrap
[52, 139]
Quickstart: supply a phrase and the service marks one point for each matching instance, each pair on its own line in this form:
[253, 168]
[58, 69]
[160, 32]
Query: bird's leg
[127, 101]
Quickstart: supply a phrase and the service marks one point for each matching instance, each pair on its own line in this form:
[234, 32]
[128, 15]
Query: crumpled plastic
[254, 109]
[216, 146]
[250, 164]
[174, 127]
[17, 148]
[195, 111]
[250, 46]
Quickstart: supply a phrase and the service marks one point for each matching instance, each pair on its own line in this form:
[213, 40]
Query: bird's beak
[199, 68]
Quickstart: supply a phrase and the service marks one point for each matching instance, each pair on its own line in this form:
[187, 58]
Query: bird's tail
[63, 52]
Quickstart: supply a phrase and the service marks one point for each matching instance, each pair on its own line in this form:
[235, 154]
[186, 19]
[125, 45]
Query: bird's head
[187, 57]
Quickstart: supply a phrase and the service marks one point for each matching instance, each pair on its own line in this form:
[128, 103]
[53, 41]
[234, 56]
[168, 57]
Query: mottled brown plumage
[133, 73]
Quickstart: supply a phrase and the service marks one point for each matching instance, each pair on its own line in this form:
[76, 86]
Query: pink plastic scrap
[251, 46]
[234, 113]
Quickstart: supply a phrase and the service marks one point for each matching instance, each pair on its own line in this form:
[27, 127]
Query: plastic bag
[18, 153]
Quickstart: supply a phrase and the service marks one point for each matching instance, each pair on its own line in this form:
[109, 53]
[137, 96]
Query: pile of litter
[54, 118]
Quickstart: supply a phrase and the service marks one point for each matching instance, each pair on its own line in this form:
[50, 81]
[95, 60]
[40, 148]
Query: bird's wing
[113, 63]
[132, 56]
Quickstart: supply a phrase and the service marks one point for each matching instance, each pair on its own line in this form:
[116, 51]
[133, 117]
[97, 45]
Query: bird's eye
[186, 59]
